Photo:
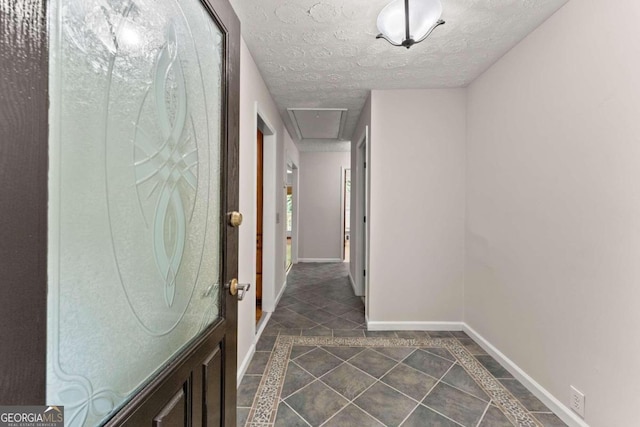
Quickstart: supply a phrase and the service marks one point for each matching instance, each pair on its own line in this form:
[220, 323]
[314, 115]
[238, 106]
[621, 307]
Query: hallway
[316, 364]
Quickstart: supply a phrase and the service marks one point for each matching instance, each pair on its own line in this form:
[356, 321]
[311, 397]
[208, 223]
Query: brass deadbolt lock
[235, 219]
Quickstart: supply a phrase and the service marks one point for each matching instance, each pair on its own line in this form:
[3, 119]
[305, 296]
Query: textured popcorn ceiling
[323, 53]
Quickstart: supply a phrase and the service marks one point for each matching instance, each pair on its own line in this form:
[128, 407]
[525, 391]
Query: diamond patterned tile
[396, 353]
[352, 416]
[471, 346]
[550, 420]
[340, 323]
[247, 390]
[258, 363]
[337, 308]
[460, 379]
[442, 352]
[455, 404]
[302, 308]
[527, 398]
[286, 417]
[295, 379]
[375, 401]
[423, 417]
[316, 403]
[348, 381]
[412, 334]
[494, 367]
[318, 362]
[409, 381]
[319, 315]
[373, 363]
[265, 343]
[355, 316]
[298, 350]
[428, 363]
[242, 416]
[344, 353]
[440, 334]
[318, 331]
[494, 418]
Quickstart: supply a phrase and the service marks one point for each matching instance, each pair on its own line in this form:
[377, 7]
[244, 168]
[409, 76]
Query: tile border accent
[265, 405]
[374, 325]
[555, 405]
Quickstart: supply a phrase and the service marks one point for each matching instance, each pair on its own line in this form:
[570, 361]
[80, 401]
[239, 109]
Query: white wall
[252, 90]
[553, 207]
[320, 205]
[417, 206]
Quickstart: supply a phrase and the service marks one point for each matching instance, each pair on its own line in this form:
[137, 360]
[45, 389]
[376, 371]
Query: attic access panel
[318, 123]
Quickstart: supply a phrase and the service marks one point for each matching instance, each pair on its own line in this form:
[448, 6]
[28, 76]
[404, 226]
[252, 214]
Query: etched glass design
[135, 191]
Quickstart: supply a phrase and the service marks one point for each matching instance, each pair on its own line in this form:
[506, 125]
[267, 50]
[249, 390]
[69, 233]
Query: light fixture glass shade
[423, 15]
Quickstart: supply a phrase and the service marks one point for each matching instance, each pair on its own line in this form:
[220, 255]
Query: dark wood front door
[119, 124]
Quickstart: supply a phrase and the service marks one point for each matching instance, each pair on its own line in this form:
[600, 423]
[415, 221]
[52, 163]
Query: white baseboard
[319, 260]
[353, 284]
[373, 325]
[284, 286]
[562, 411]
[266, 315]
[242, 369]
[245, 364]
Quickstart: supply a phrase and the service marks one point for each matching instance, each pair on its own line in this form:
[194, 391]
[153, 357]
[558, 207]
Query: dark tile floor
[364, 385]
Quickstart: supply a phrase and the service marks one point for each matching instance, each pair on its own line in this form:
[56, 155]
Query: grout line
[400, 361]
[466, 392]
[433, 354]
[294, 411]
[426, 350]
[484, 413]
[302, 354]
[433, 410]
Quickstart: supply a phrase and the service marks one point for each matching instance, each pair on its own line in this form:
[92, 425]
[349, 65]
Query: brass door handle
[233, 286]
[235, 219]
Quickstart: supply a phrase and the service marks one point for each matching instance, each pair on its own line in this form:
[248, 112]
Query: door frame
[343, 207]
[24, 155]
[294, 213]
[269, 208]
[362, 209]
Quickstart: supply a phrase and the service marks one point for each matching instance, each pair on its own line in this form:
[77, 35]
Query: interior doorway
[361, 221]
[259, 220]
[363, 208]
[289, 205]
[346, 214]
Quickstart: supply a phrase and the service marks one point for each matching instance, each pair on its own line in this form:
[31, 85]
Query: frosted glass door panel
[134, 216]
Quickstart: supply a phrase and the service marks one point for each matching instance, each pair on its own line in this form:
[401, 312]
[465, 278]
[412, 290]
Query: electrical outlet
[577, 401]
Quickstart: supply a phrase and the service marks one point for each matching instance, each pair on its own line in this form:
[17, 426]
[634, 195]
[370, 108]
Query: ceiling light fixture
[402, 25]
